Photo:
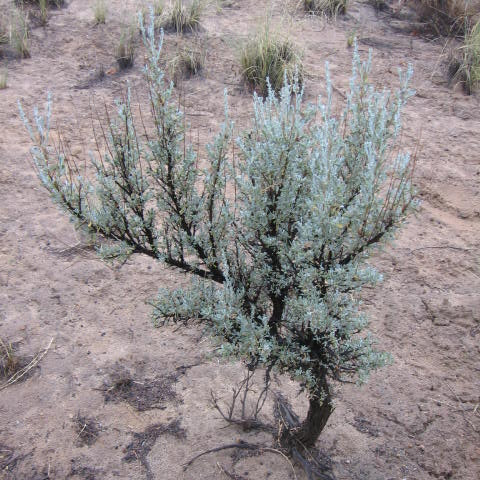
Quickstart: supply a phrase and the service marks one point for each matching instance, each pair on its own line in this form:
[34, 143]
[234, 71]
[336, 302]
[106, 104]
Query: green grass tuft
[19, 32]
[447, 17]
[268, 56]
[3, 78]
[158, 8]
[43, 5]
[100, 11]
[189, 61]
[9, 362]
[182, 17]
[465, 66]
[125, 50]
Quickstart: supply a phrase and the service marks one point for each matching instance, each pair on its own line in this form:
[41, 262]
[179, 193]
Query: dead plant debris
[144, 441]
[87, 429]
[364, 426]
[80, 470]
[7, 456]
[144, 394]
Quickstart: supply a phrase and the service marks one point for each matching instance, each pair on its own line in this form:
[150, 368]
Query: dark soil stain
[364, 426]
[10, 460]
[7, 457]
[79, 470]
[87, 430]
[142, 394]
[144, 441]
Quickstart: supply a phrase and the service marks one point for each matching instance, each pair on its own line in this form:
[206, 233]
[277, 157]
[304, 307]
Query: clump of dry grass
[100, 11]
[9, 362]
[3, 78]
[380, 5]
[125, 50]
[188, 62]
[43, 5]
[87, 429]
[3, 33]
[158, 8]
[18, 35]
[331, 8]
[51, 3]
[182, 17]
[465, 65]
[446, 17]
[267, 58]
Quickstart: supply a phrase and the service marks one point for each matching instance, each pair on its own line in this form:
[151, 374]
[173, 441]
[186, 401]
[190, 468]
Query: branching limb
[241, 393]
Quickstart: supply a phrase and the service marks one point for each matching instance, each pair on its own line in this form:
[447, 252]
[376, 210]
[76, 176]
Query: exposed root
[240, 445]
[285, 432]
[288, 441]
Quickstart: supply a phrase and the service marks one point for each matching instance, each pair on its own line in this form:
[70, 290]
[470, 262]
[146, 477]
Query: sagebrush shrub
[276, 239]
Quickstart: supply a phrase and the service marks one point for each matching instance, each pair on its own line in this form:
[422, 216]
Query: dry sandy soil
[114, 397]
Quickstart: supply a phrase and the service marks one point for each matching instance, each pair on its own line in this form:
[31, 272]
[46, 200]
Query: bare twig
[241, 392]
[81, 431]
[245, 423]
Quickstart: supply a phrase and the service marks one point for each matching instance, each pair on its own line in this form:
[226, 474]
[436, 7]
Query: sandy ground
[114, 397]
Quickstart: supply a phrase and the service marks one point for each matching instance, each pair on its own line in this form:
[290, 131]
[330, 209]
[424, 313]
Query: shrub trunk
[317, 417]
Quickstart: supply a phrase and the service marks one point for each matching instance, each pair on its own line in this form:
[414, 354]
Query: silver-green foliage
[276, 236]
